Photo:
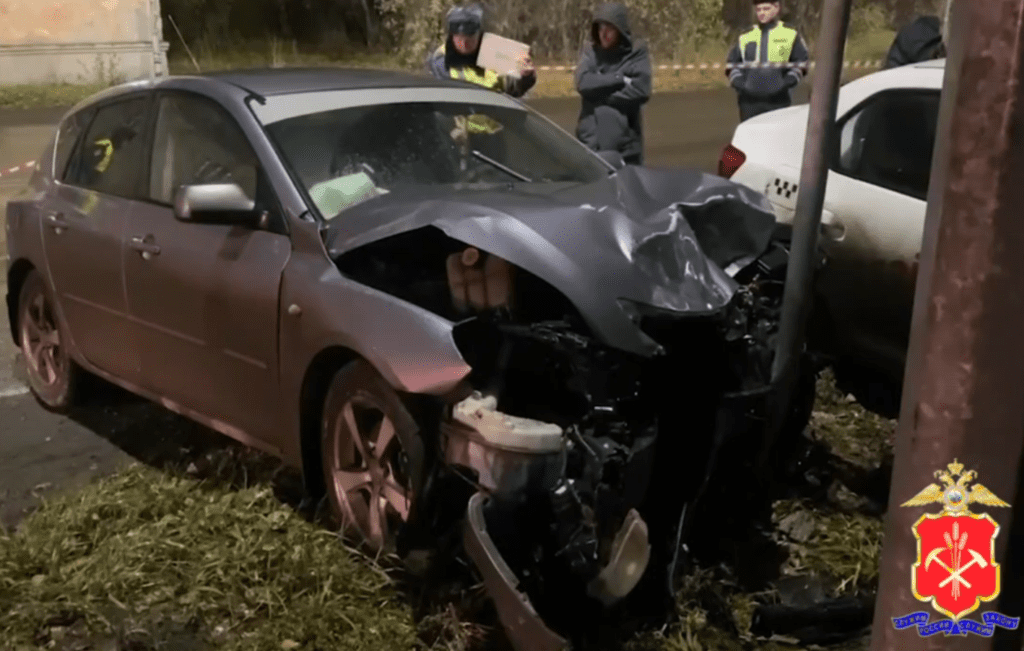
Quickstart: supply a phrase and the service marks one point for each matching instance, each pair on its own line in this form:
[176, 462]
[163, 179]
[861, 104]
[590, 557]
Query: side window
[113, 150]
[198, 142]
[889, 142]
[67, 137]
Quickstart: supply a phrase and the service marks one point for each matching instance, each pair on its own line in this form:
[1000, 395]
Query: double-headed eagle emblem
[955, 497]
[956, 569]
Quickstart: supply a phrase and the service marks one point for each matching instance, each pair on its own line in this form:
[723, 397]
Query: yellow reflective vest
[780, 43]
[489, 79]
[108, 153]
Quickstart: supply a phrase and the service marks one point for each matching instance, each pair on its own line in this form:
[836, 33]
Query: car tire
[54, 378]
[367, 472]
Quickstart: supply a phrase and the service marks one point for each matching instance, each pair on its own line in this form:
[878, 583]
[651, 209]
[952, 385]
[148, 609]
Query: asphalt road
[42, 452]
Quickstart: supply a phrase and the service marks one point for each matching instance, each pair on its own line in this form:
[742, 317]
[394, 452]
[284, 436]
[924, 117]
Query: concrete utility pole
[963, 393]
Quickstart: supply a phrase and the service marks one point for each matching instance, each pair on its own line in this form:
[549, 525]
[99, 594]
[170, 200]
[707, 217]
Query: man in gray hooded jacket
[613, 79]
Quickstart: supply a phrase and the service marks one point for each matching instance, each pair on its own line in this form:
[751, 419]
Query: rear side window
[889, 141]
[68, 135]
[111, 158]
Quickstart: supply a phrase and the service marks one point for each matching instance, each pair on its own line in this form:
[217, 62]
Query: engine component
[508, 453]
[478, 280]
[575, 529]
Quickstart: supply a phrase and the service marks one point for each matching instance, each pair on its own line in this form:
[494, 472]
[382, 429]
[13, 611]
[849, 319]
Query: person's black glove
[791, 81]
[737, 82]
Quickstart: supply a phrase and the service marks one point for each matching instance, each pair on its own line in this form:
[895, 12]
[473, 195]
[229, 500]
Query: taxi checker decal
[956, 569]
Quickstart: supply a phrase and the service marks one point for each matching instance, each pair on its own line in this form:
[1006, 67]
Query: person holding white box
[457, 57]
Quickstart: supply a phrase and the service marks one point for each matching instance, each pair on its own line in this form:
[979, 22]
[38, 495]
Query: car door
[204, 297]
[877, 196]
[83, 224]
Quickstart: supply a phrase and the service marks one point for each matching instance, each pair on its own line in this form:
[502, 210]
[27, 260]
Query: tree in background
[677, 30]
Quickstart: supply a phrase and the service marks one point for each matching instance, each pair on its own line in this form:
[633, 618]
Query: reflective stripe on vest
[108, 153]
[489, 79]
[780, 44]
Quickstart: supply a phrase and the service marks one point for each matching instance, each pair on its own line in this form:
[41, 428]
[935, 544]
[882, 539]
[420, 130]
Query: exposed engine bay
[571, 471]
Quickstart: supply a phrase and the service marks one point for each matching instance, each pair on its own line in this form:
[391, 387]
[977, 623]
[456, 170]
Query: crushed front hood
[656, 237]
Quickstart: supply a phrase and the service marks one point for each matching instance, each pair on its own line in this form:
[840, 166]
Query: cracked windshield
[346, 156]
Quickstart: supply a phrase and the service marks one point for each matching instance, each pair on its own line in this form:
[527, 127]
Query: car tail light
[730, 161]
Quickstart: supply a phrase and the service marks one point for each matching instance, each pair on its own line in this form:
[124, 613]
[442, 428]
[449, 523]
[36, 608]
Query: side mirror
[222, 203]
[613, 158]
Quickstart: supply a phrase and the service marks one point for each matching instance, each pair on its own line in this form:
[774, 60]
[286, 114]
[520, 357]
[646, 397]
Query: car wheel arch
[16, 276]
[316, 382]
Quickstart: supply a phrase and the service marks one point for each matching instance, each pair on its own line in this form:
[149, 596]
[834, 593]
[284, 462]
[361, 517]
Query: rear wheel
[366, 468]
[53, 377]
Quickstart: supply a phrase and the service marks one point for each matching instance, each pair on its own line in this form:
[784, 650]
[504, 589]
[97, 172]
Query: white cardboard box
[500, 54]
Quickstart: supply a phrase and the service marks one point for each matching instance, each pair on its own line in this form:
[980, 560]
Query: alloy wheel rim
[368, 468]
[40, 342]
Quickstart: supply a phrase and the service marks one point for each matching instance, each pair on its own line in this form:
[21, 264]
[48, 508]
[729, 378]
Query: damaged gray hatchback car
[471, 333]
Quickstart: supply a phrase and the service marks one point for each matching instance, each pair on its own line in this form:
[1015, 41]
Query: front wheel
[366, 468]
[53, 377]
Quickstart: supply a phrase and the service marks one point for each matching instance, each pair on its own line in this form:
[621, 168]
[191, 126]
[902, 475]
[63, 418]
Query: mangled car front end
[582, 349]
[568, 439]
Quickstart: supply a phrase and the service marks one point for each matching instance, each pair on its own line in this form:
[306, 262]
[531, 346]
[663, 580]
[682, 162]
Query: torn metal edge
[525, 629]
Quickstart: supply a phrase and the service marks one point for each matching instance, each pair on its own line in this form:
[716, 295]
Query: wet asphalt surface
[42, 453]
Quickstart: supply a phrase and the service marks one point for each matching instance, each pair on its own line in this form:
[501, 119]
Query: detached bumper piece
[525, 629]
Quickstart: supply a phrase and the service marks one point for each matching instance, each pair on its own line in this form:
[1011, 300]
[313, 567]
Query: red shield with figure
[956, 568]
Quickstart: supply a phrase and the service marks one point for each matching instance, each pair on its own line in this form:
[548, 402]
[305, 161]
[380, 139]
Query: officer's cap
[467, 19]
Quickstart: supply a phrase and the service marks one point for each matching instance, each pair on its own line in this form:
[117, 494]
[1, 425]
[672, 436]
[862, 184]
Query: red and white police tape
[25, 167]
[727, 66]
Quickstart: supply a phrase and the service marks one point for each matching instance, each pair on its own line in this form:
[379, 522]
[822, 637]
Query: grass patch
[871, 45]
[842, 546]
[25, 96]
[154, 556]
[852, 431]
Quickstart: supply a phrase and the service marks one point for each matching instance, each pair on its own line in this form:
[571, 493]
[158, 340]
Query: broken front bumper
[520, 467]
[525, 628]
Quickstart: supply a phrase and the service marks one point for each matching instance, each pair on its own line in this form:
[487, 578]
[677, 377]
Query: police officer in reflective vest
[103, 150]
[766, 63]
[456, 58]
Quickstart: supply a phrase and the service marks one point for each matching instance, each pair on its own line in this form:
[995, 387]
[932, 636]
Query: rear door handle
[147, 249]
[55, 220]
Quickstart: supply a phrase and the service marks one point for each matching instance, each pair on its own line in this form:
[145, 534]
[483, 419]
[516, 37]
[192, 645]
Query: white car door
[875, 203]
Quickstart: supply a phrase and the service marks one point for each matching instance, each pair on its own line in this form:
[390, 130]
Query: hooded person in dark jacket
[919, 41]
[613, 79]
[761, 88]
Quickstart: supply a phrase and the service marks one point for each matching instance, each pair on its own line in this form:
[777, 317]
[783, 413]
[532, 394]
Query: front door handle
[56, 221]
[147, 248]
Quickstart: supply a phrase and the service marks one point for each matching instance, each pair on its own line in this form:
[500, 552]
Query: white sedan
[873, 217]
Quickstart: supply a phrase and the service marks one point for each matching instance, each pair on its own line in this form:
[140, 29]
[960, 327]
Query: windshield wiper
[495, 164]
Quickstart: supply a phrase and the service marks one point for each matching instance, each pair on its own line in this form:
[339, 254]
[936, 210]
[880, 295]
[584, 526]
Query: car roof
[283, 81]
[925, 75]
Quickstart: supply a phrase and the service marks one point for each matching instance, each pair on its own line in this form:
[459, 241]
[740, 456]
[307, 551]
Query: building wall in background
[80, 41]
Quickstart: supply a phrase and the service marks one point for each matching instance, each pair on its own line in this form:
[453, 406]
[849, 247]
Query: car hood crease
[656, 237]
